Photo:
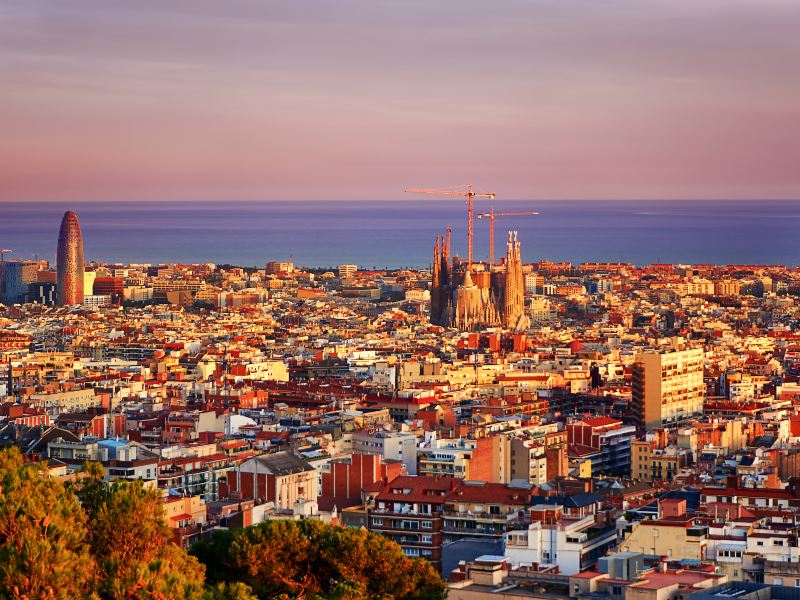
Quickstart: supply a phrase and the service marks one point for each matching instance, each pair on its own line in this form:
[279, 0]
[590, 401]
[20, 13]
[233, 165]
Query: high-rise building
[667, 388]
[15, 276]
[69, 259]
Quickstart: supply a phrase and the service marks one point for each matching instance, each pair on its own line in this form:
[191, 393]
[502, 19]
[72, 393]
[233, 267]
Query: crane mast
[470, 195]
[492, 215]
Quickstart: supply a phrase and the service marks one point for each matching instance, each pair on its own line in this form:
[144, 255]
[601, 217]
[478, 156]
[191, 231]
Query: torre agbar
[69, 261]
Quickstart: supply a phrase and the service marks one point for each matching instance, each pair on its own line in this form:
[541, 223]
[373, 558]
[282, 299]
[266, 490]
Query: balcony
[782, 567]
[397, 527]
[477, 516]
[478, 531]
[593, 535]
[402, 513]
[437, 459]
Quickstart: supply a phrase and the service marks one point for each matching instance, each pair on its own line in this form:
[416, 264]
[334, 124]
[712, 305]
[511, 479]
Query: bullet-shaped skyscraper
[69, 261]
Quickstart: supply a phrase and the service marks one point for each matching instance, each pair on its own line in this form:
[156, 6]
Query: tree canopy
[95, 539]
[44, 552]
[310, 559]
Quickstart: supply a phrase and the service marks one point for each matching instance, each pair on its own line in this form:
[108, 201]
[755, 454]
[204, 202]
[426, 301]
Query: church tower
[514, 305]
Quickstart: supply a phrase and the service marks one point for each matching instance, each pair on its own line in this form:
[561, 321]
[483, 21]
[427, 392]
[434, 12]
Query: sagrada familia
[475, 296]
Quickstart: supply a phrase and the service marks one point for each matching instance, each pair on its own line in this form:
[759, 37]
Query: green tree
[313, 560]
[90, 488]
[131, 543]
[43, 549]
[213, 554]
[230, 591]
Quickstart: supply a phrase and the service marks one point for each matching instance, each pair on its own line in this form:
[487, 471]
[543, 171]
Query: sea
[400, 233]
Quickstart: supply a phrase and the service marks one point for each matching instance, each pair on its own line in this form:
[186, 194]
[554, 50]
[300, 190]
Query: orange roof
[498, 493]
[655, 581]
[601, 421]
[181, 517]
[421, 489]
[587, 575]
[581, 450]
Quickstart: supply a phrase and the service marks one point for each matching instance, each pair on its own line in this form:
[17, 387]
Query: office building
[110, 286]
[15, 277]
[42, 293]
[70, 261]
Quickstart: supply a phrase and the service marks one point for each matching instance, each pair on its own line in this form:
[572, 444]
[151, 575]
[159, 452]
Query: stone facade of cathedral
[471, 297]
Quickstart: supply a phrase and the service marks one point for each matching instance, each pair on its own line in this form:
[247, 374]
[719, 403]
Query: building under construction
[473, 296]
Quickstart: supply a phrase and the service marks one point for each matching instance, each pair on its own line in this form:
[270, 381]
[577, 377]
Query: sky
[358, 99]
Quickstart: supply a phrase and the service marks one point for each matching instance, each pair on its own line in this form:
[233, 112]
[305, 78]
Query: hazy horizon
[402, 233]
[190, 100]
[398, 199]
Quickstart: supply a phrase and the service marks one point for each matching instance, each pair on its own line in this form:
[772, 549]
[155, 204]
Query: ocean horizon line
[410, 197]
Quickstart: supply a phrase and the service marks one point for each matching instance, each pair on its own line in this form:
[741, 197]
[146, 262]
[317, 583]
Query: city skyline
[359, 100]
[409, 299]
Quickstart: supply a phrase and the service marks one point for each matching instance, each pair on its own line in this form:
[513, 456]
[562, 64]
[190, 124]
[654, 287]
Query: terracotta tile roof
[407, 488]
[601, 421]
[748, 492]
[494, 493]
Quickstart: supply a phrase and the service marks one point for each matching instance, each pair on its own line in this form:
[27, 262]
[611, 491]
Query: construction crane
[492, 216]
[470, 195]
[3, 252]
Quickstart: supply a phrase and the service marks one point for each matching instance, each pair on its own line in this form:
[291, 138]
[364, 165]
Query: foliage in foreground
[44, 552]
[93, 539]
[309, 559]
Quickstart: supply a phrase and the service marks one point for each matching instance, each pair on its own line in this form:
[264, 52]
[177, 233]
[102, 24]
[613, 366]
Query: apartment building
[410, 511]
[563, 532]
[603, 440]
[667, 388]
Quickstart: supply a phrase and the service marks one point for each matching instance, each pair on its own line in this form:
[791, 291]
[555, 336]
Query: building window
[377, 522]
[427, 525]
